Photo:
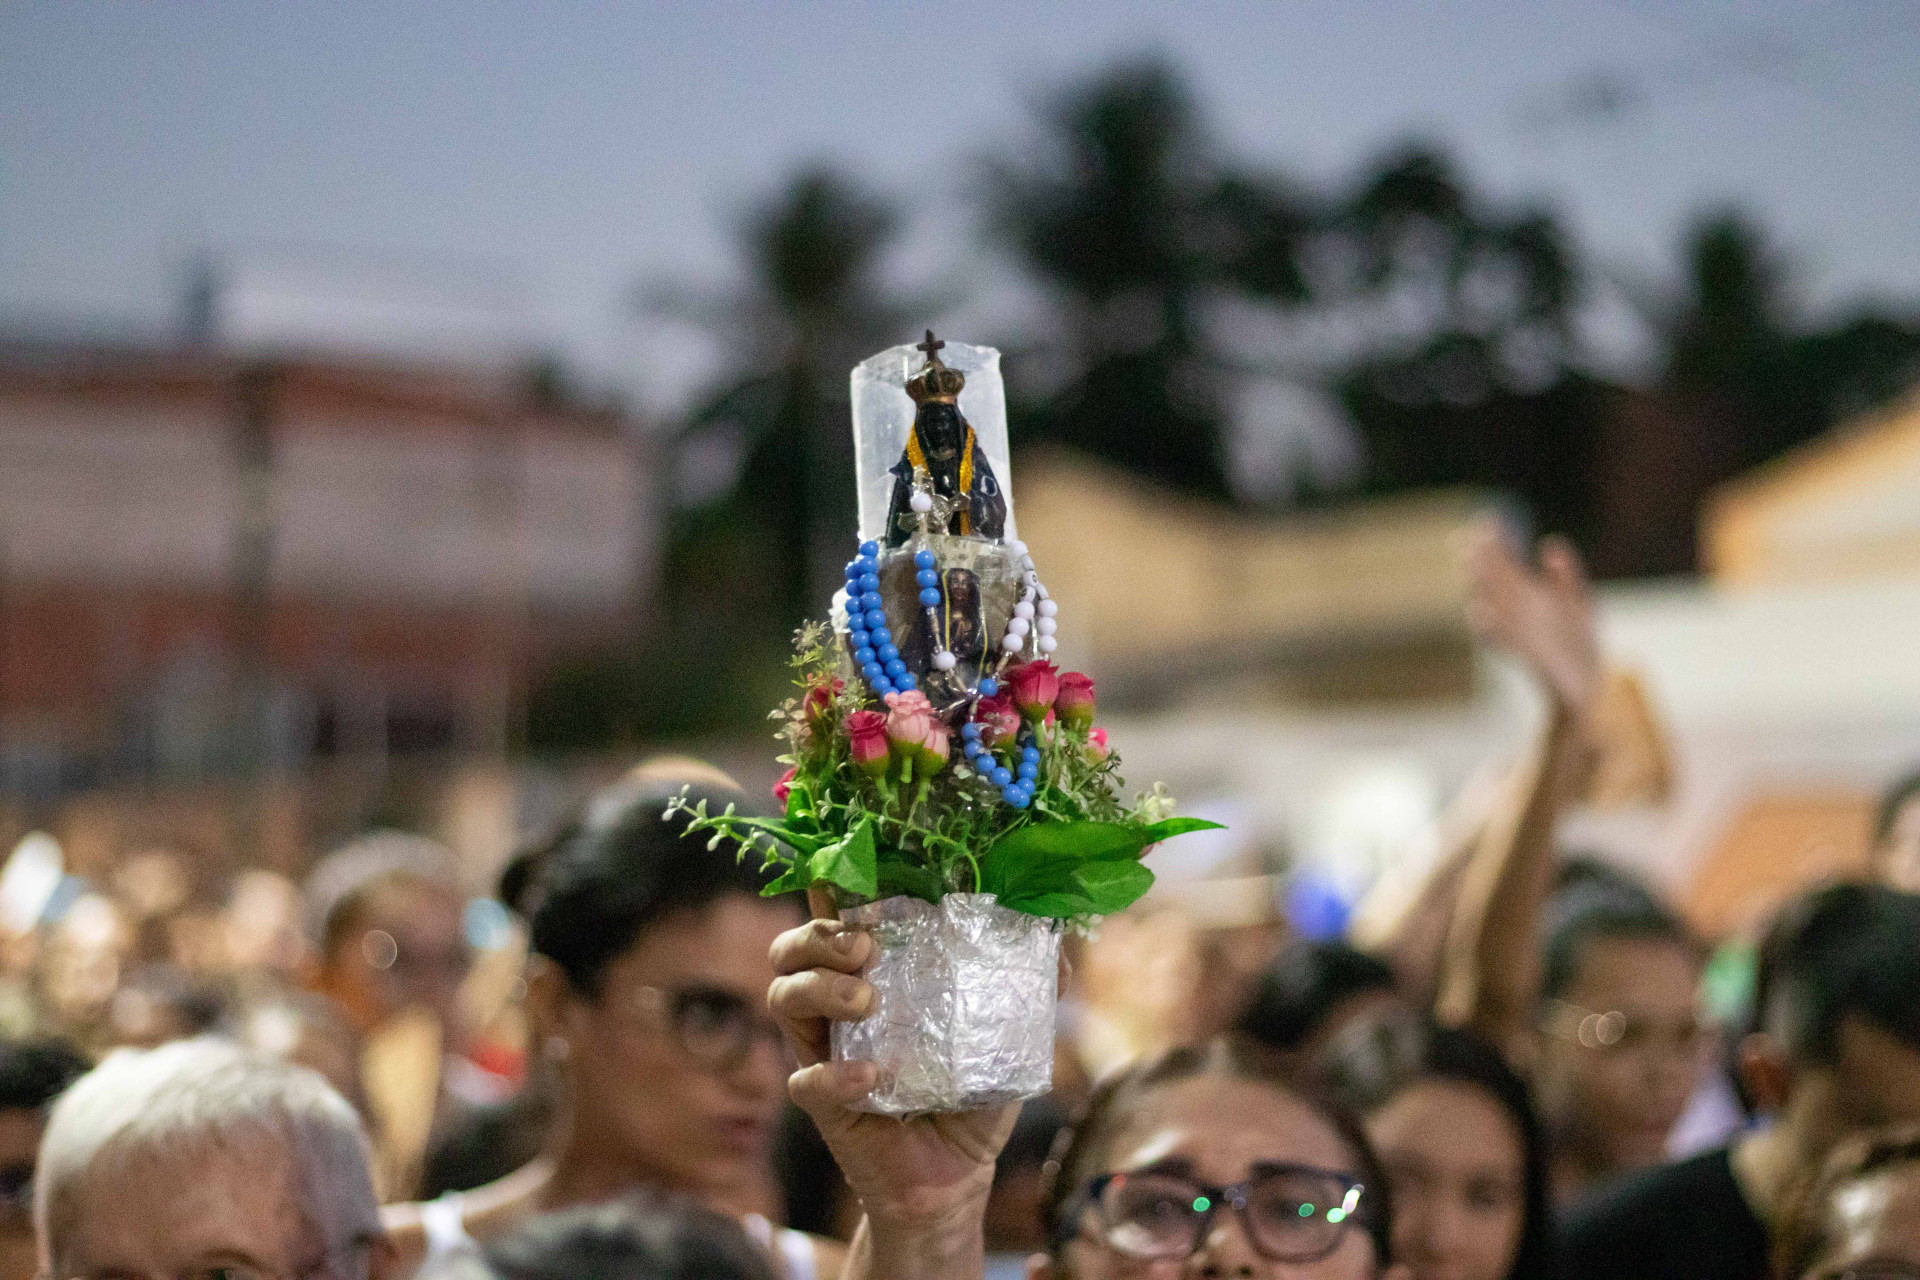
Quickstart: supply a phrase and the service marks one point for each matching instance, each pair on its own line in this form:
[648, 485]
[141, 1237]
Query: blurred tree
[1461, 357]
[1127, 213]
[750, 557]
[1742, 379]
[1732, 339]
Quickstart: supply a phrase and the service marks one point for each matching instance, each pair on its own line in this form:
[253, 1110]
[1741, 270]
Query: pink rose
[867, 741]
[933, 749]
[784, 788]
[997, 719]
[1034, 685]
[909, 715]
[1097, 748]
[1074, 703]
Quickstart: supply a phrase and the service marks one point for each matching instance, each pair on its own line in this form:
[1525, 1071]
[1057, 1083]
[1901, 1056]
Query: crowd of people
[618, 1066]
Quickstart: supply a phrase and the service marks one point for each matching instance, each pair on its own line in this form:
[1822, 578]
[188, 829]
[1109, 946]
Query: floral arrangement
[1008, 789]
[934, 747]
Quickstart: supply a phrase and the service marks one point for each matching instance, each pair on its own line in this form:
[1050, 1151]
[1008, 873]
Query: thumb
[826, 1090]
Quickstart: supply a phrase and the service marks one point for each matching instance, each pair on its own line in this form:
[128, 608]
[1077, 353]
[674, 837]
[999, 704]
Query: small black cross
[930, 346]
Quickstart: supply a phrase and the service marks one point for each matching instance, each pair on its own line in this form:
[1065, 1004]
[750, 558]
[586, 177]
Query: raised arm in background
[1543, 614]
[1467, 934]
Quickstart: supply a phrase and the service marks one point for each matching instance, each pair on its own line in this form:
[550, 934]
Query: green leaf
[899, 877]
[801, 842]
[1113, 886]
[1065, 869]
[1167, 828]
[849, 862]
[800, 819]
[792, 879]
[1038, 856]
[1039, 842]
[1092, 888]
[1053, 906]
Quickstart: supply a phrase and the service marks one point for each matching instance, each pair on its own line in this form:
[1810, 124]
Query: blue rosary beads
[874, 651]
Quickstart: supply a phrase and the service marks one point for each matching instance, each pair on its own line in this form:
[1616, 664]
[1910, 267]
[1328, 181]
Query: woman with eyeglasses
[1858, 1217]
[1207, 1161]
[646, 991]
[1455, 1130]
[1209, 1158]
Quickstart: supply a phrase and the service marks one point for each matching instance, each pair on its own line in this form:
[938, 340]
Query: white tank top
[444, 1222]
[793, 1249]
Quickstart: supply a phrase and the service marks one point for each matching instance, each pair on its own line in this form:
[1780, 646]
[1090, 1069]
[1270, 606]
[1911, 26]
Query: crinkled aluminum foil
[965, 1015]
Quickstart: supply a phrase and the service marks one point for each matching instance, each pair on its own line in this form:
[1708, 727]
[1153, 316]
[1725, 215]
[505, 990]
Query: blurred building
[215, 563]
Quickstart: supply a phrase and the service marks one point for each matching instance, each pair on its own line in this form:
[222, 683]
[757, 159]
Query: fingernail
[844, 942]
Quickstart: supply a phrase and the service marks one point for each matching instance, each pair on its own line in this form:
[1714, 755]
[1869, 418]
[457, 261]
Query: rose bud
[909, 715]
[784, 788]
[1034, 685]
[997, 719]
[1074, 703]
[867, 742]
[933, 749]
[1097, 748]
[818, 703]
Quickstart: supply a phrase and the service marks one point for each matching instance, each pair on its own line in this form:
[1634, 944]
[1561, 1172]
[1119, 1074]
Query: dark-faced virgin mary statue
[943, 445]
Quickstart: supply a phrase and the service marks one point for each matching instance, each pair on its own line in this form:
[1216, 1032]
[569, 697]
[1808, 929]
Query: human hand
[923, 1180]
[1541, 613]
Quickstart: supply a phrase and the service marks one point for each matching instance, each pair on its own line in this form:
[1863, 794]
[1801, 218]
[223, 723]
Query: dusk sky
[566, 152]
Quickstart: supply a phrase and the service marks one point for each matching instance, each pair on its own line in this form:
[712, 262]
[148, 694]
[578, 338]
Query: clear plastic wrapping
[966, 1004]
[883, 417]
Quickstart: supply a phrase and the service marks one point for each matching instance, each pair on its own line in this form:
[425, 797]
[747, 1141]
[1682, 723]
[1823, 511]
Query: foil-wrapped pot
[966, 1000]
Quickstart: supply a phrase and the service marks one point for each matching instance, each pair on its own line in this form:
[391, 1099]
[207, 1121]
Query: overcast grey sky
[576, 148]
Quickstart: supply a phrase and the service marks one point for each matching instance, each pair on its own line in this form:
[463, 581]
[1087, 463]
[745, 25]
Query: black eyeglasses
[717, 1029]
[1291, 1212]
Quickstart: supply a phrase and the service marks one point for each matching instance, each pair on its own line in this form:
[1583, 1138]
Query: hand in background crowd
[1541, 611]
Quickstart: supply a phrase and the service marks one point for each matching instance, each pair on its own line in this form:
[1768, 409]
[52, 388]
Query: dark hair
[1082, 1147]
[1593, 902]
[1372, 1063]
[1302, 986]
[627, 869]
[519, 885]
[1806, 1226]
[1851, 948]
[1895, 798]
[635, 1239]
[33, 1073]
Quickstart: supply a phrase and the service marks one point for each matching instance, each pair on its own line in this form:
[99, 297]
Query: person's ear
[1040, 1267]
[1765, 1070]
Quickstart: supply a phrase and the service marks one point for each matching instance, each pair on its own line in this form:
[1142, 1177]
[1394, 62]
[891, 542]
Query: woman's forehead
[723, 944]
[1221, 1125]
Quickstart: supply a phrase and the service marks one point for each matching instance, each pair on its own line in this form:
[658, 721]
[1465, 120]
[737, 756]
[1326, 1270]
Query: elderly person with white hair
[201, 1160]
